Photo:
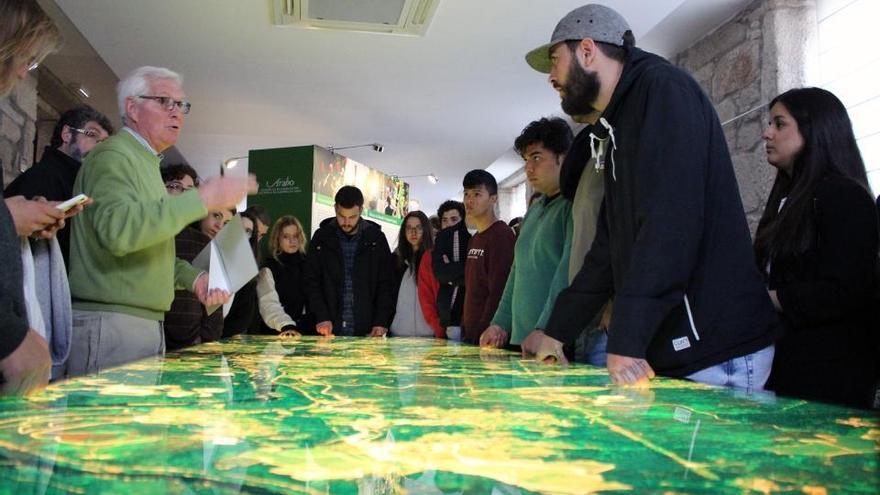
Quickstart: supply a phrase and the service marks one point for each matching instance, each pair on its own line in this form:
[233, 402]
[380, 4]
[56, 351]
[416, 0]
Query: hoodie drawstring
[610, 130]
[599, 155]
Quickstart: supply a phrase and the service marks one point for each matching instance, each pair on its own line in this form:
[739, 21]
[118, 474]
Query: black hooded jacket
[14, 323]
[373, 278]
[51, 178]
[451, 242]
[672, 245]
[828, 295]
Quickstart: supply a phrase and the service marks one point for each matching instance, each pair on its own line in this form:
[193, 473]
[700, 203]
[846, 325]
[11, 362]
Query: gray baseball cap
[590, 21]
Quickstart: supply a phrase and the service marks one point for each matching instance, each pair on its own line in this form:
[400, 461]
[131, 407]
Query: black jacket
[451, 242]
[672, 244]
[51, 178]
[14, 323]
[244, 314]
[373, 277]
[829, 351]
[288, 274]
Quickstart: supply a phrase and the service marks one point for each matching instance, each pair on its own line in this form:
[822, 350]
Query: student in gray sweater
[412, 242]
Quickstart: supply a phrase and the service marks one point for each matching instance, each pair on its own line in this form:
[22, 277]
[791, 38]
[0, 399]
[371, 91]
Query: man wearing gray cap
[672, 245]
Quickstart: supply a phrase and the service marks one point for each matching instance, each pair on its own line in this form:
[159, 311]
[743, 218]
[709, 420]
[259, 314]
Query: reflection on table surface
[358, 415]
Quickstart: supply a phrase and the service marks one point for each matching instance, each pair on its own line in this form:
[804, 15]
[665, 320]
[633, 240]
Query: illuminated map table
[264, 415]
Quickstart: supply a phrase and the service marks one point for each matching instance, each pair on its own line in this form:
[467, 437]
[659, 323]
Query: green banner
[324, 200]
[385, 218]
[303, 181]
[285, 178]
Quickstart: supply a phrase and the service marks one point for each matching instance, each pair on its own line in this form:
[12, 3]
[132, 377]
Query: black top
[13, 314]
[451, 242]
[244, 314]
[373, 277]
[829, 351]
[287, 272]
[51, 178]
[672, 243]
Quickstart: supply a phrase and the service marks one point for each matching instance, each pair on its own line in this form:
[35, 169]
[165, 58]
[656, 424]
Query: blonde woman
[27, 35]
[283, 301]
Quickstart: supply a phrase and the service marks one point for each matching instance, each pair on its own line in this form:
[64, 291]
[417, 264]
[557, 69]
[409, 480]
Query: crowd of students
[634, 254]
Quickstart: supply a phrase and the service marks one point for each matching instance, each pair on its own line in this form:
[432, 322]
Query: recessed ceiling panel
[370, 11]
[401, 17]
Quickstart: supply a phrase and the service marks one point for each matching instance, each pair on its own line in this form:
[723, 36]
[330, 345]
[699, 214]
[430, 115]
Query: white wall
[849, 67]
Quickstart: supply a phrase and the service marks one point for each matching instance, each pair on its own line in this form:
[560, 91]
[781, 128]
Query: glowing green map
[375, 416]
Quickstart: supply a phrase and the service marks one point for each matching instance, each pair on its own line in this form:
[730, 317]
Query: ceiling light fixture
[230, 163]
[432, 178]
[78, 89]
[376, 147]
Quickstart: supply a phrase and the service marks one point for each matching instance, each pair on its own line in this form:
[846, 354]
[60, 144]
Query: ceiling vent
[402, 17]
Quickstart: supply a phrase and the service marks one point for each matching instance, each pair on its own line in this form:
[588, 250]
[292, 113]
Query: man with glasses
[187, 323]
[179, 178]
[123, 267]
[75, 134]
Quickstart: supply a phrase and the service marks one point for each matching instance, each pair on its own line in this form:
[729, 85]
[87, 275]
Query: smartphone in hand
[74, 201]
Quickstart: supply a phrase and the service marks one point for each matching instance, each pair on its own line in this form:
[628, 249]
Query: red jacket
[428, 287]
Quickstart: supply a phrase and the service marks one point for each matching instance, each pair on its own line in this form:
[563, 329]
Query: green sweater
[122, 246]
[540, 268]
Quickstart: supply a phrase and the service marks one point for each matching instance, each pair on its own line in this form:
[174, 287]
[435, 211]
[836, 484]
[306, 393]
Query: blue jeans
[590, 347]
[749, 372]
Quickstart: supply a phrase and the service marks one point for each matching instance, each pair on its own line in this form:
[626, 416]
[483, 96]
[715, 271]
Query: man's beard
[349, 230]
[581, 91]
[76, 153]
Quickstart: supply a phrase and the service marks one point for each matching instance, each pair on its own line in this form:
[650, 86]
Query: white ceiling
[445, 103]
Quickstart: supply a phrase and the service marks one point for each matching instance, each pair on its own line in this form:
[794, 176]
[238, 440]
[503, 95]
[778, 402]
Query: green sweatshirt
[540, 268]
[122, 246]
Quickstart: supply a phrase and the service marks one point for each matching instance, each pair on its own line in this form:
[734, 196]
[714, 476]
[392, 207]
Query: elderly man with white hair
[123, 269]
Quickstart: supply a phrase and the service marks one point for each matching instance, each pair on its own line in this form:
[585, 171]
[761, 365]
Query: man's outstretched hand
[625, 370]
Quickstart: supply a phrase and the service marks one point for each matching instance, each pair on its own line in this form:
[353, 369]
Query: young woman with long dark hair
[817, 242]
[412, 242]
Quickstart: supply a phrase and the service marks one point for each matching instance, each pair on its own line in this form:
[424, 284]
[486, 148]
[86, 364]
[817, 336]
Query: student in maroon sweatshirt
[490, 254]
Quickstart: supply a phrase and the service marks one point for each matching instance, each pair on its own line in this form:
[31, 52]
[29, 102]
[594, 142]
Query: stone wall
[18, 116]
[28, 117]
[761, 52]
[47, 117]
